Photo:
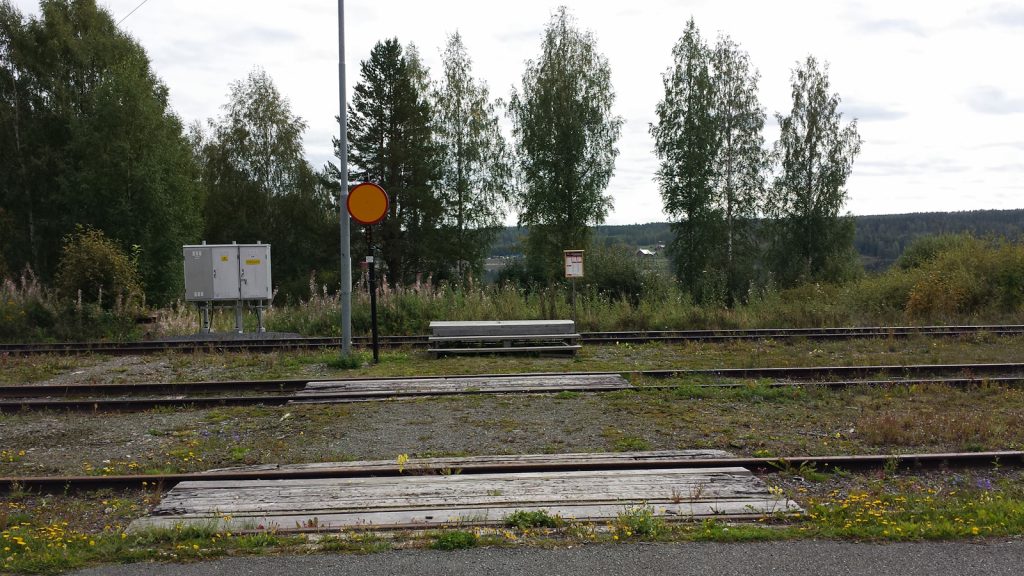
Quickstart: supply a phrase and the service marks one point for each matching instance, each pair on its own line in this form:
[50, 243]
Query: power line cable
[132, 12]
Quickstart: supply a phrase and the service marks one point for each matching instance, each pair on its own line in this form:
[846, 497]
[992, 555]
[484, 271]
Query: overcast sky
[936, 85]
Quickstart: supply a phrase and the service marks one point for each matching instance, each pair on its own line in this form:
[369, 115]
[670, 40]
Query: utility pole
[346, 250]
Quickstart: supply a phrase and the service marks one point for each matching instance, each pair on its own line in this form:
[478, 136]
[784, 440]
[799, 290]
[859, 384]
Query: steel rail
[279, 394]
[782, 373]
[855, 461]
[421, 341]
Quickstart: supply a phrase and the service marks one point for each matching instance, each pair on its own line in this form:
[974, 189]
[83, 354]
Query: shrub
[969, 278]
[614, 272]
[640, 521]
[926, 248]
[26, 308]
[94, 269]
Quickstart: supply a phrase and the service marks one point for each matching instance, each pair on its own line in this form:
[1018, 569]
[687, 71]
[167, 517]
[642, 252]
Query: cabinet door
[254, 272]
[198, 273]
[225, 273]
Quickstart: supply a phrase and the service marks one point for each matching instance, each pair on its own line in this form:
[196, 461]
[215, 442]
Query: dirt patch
[749, 421]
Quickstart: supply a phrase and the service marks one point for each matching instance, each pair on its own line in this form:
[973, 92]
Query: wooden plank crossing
[386, 388]
[417, 501]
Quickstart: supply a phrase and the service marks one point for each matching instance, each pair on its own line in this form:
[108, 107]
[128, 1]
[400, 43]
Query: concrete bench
[503, 336]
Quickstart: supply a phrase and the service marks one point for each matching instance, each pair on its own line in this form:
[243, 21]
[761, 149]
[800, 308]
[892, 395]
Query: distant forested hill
[879, 240]
[508, 240]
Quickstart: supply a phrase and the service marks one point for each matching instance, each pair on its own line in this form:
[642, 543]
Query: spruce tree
[391, 144]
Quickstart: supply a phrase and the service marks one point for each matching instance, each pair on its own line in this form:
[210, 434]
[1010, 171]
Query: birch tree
[709, 139]
[815, 151]
[741, 159]
[565, 134]
[475, 175]
[686, 143]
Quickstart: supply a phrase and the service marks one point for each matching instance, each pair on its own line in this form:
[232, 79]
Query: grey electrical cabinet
[225, 272]
[254, 272]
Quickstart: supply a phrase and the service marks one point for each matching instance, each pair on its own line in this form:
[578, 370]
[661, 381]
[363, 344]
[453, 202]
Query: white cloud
[992, 100]
[905, 69]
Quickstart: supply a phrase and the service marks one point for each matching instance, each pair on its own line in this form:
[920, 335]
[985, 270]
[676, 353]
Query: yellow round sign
[367, 203]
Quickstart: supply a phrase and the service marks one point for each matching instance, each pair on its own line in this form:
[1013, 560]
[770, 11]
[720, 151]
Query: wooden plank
[396, 387]
[421, 465]
[466, 516]
[503, 337]
[348, 397]
[477, 490]
[490, 350]
[501, 327]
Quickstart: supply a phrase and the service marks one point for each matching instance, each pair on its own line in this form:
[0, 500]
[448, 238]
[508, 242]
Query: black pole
[373, 294]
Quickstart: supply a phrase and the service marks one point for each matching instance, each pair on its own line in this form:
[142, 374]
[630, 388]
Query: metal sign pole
[368, 204]
[574, 321]
[373, 294]
[345, 294]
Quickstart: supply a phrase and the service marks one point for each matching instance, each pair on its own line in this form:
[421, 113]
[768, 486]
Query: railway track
[142, 396]
[467, 466]
[420, 341]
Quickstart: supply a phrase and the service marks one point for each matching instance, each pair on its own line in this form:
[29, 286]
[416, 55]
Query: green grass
[631, 444]
[25, 370]
[182, 367]
[989, 508]
[523, 519]
[808, 420]
[350, 362]
[875, 506]
[959, 280]
[454, 540]
[354, 543]
[640, 522]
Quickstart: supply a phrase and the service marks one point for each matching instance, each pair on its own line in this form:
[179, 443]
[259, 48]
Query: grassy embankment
[961, 280]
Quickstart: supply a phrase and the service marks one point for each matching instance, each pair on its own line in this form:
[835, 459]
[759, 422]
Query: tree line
[89, 139]
[720, 183]
[879, 239]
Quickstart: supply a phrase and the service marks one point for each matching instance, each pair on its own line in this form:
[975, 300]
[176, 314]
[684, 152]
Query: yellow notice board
[573, 263]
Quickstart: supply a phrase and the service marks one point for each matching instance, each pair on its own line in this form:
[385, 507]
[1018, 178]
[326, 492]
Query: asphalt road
[1000, 557]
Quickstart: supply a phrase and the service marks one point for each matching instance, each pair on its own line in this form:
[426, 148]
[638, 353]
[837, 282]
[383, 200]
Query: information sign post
[573, 270]
[368, 205]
